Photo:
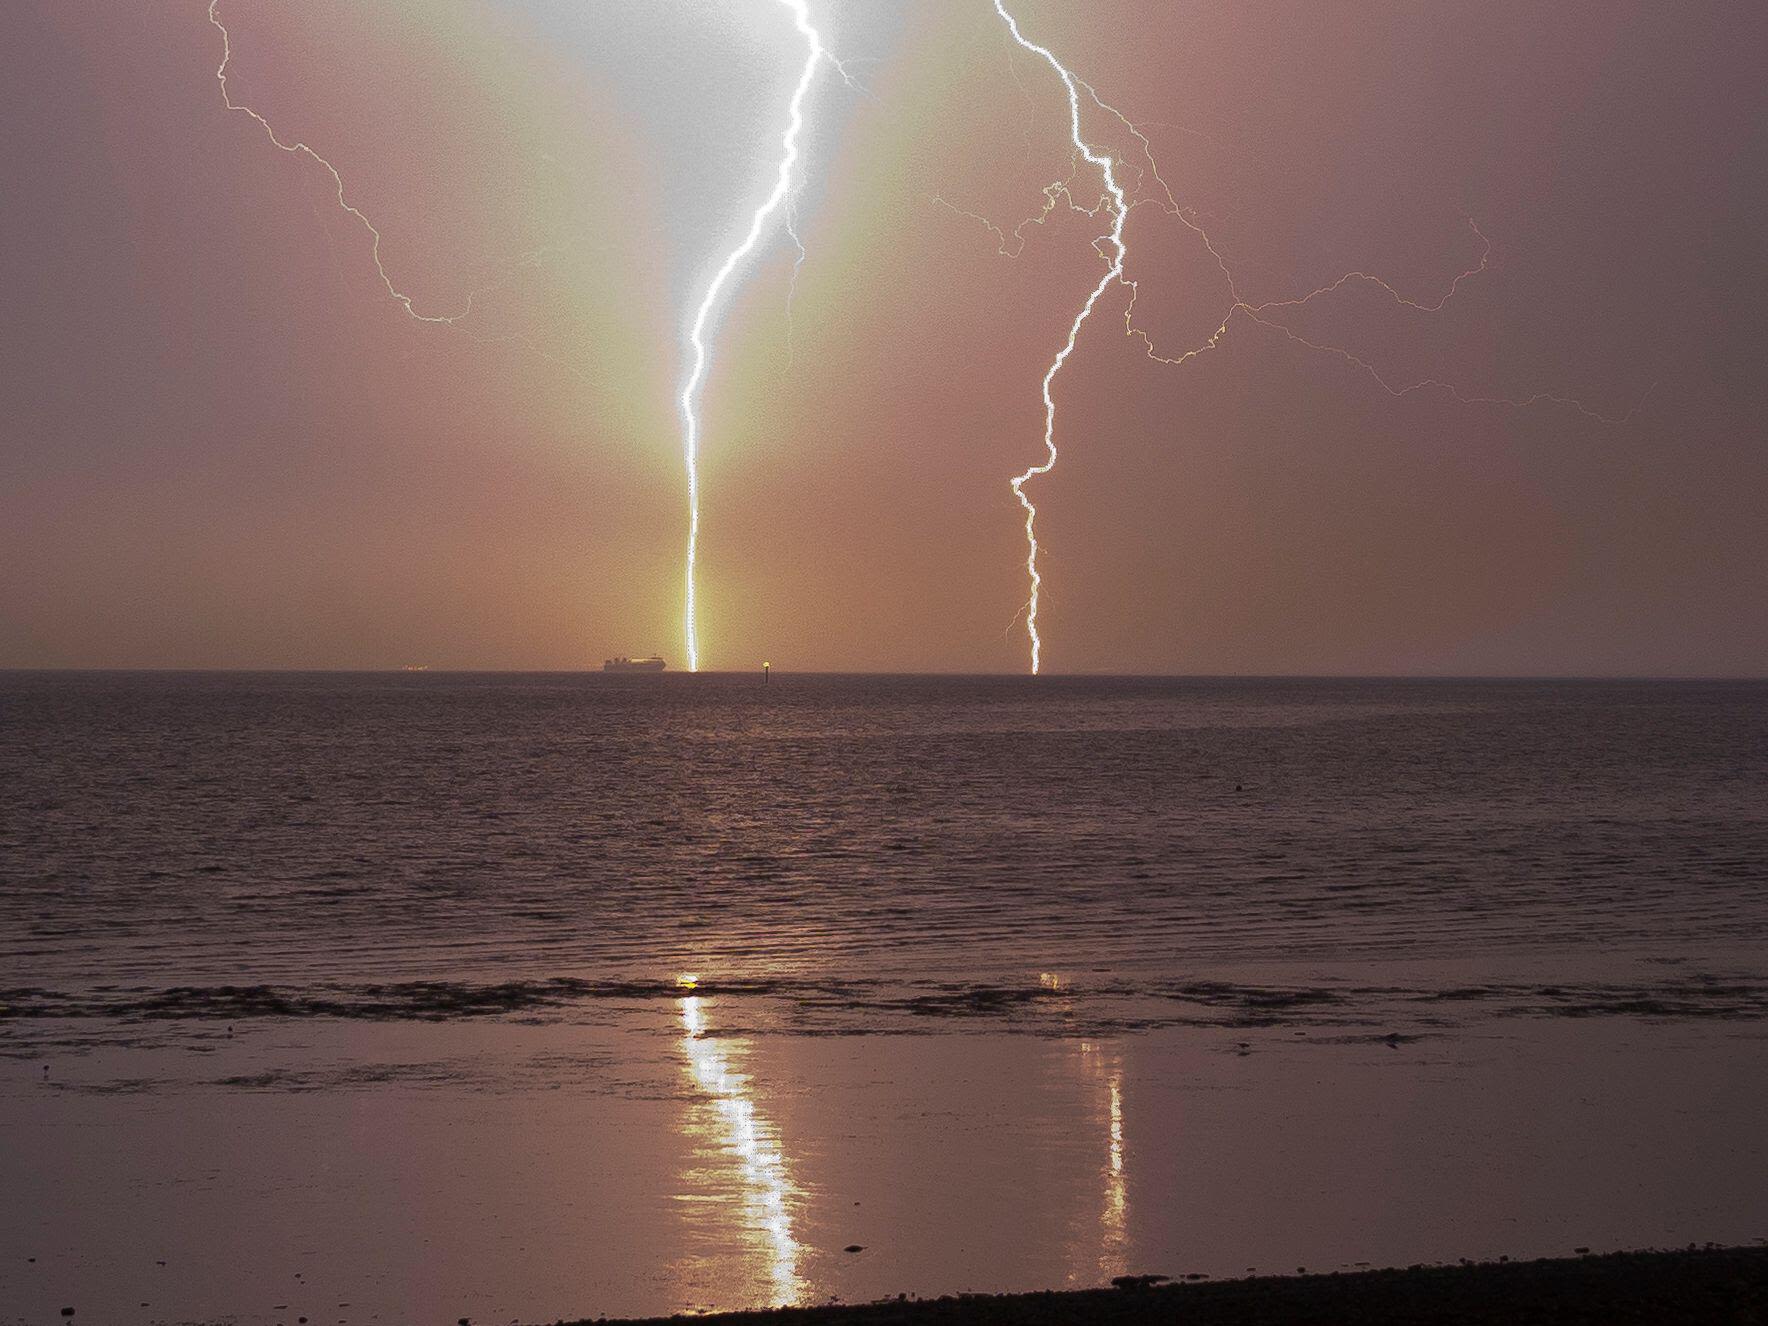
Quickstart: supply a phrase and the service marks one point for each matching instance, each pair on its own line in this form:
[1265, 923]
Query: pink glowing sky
[223, 445]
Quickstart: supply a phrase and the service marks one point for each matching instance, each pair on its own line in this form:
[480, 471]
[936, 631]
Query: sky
[223, 444]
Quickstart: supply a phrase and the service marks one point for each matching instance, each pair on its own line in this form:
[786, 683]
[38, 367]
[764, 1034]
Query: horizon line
[594, 671]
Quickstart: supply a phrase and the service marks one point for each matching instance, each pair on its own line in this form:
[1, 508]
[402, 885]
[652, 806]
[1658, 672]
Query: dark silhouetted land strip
[1715, 1285]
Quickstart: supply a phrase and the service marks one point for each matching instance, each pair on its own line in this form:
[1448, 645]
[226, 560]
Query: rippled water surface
[309, 828]
[412, 997]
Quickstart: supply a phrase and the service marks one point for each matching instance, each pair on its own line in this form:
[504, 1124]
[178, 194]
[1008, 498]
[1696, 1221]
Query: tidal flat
[1704, 1287]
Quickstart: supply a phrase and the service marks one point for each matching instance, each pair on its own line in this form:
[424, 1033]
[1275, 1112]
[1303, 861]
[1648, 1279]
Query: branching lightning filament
[299, 148]
[1149, 187]
[1128, 181]
[816, 53]
[1118, 208]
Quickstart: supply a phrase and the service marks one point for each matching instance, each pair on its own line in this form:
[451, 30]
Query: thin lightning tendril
[800, 253]
[1010, 243]
[1257, 313]
[789, 153]
[1118, 207]
[1113, 201]
[781, 196]
[299, 148]
[534, 258]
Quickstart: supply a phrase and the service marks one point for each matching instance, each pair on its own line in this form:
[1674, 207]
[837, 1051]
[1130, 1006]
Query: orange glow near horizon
[314, 455]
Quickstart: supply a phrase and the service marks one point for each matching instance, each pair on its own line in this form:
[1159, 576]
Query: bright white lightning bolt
[816, 53]
[1011, 243]
[1119, 208]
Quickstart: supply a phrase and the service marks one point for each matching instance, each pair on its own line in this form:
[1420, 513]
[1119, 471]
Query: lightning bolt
[1267, 314]
[1118, 207]
[524, 261]
[816, 54]
[699, 355]
[299, 148]
[1260, 314]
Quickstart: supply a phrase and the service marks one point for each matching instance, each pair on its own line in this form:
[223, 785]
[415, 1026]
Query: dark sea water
[683, 984]
[169, 828]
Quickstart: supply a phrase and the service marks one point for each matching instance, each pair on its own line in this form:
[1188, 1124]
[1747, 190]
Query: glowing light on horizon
[780, 197]
[746, 1136]
[1119, 208]
[789, 153]
[1126, 164]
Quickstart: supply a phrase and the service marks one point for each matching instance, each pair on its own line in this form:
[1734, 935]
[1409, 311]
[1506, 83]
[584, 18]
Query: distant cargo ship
[624, 664]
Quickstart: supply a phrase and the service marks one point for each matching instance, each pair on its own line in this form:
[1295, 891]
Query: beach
[884, 663]
[1708, 1287]
[419, 997]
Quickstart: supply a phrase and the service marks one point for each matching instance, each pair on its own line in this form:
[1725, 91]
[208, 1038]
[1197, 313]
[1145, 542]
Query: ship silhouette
[625, 664]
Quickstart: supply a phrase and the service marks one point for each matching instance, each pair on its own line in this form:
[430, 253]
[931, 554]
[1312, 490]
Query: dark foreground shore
[1714, 1285]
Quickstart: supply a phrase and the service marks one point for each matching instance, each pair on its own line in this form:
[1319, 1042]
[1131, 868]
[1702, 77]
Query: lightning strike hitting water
[1010, 243]
[1119, 210]
[816, 53]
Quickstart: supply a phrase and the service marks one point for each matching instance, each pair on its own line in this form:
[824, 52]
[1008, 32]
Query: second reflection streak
[1107, 1065]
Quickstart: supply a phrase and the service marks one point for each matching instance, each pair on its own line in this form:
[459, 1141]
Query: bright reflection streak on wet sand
[1106, 1066]
[752, 1143]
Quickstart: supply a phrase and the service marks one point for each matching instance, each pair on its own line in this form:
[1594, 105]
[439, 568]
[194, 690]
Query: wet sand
[394, 999]
[1716, 1285]
[670, 1154]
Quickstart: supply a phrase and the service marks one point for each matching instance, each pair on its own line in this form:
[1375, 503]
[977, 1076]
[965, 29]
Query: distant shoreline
[1708, 1285]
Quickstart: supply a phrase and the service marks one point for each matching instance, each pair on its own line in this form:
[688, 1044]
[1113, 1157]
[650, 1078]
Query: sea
[418, 997]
